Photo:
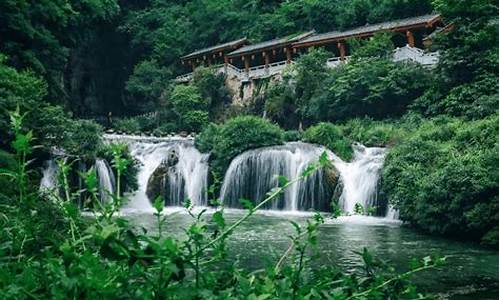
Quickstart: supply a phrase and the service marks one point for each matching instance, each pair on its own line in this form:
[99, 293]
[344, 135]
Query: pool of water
[470, 273]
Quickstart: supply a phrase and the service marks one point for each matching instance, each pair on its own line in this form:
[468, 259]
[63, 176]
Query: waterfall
[49, 176]
[106, 180]
[360, 177]
[178, 171]
[392, 213]
[252, 174]
[187, 179]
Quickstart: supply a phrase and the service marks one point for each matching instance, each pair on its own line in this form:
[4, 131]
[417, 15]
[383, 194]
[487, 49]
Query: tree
[467, 73]
[190, 108]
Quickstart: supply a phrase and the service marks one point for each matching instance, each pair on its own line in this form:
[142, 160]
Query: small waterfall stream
[187, 178]
[360, 177]
[106, 180]
[49, 176]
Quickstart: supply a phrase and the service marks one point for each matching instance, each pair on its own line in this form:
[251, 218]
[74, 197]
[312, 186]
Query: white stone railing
[336, 61]
[405, 53]
[417, 55]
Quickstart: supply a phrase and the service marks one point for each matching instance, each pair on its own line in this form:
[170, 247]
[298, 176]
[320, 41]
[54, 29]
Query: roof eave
[192, 55]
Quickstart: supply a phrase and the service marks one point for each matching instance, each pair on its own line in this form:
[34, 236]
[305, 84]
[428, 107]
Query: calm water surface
[471, 271]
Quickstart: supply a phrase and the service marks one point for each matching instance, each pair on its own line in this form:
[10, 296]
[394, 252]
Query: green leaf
[158, 204]
[247, 204]
[282, 180]
[218, 218]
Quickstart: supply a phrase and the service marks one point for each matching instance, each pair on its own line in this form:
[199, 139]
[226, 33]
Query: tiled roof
[367, 29]
[270, 44]
[216, 48]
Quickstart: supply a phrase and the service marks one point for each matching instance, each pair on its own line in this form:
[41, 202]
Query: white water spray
[106, 180]
[49, 176]
[188, 181]
[360, 178]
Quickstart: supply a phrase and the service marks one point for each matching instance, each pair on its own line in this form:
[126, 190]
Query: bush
[127, 125]
[330, 136]
[83, 139]
[207, 139]
[370, 87]
[165, 129]
[373, 133]
[292, 135]
[189, 106]
[236, 136]
[443, 178]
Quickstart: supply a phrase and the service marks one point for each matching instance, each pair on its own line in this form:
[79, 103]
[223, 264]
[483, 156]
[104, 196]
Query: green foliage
[190, 108]
[310, 70]
[212, 87]
[375, 133]
[292, 135]
[467, 81]
[207, 139]
[127, 125]
[236, 136]
[83, 139]
[380, 46]
[147, 84]
[443, 177]
[40, 35]
[371, 87]
[329, 135]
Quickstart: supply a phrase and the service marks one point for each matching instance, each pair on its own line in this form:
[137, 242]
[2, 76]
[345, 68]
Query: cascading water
[360, 178]
[106, 180]
[187, 178]
[49, 176]
[252, 174]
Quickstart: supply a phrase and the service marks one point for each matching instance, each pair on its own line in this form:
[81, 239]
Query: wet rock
[158, 182]
[183, 134]
[331, 176]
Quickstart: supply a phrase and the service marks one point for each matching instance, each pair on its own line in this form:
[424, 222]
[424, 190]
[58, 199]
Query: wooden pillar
[410, 38]
[266, 59]
[247, 64]
[341, 47]
[288, 55]
[193, 64]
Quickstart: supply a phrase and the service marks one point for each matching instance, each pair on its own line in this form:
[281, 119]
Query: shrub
[443, 178]
[373, 133]
[127, 125]
[165, 129]
[370, 87]
[83, 139]
[292, 135]
[330, 136]
[236, 136]
[189, 106]
[207, 139]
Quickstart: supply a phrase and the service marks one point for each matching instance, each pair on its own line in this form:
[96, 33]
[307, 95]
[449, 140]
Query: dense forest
[66, 65]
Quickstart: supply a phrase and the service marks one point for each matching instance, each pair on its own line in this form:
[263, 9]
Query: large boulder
[158, 182]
